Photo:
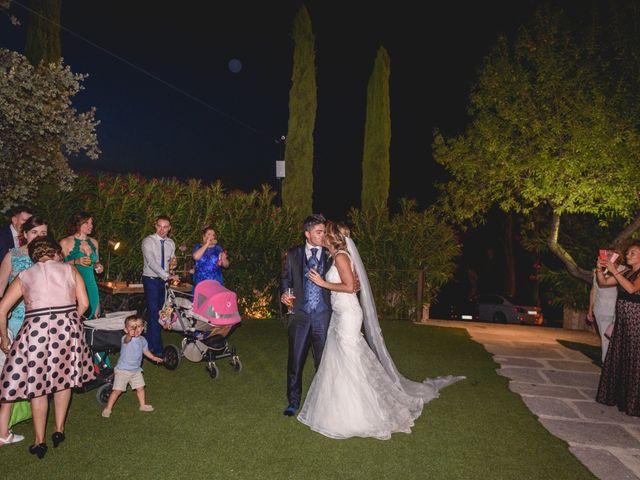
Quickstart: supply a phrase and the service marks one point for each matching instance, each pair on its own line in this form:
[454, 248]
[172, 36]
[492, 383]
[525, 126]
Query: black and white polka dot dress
[49, 352]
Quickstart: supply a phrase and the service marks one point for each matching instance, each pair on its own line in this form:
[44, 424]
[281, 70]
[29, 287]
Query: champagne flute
[173, 263]
[290, 300]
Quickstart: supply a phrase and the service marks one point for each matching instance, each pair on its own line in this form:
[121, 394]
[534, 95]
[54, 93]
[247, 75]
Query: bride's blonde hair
[335, 237]
[344, 229]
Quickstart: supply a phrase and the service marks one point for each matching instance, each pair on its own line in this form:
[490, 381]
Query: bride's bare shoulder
[342, 257]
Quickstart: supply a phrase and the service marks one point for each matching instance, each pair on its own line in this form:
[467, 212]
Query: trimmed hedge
[124, 207]
[255, 232]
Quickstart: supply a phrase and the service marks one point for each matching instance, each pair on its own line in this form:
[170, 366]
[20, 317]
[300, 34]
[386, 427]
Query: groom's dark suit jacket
[292, 273]
[6, 242]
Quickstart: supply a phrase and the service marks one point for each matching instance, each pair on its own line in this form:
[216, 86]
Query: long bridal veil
[429, 388]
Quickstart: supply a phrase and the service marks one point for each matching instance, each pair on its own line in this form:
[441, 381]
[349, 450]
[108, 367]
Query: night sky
[227, 129]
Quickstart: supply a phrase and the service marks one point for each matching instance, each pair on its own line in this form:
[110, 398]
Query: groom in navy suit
[307, 326]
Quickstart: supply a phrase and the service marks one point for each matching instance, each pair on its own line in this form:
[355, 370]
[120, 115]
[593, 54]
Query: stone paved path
[559, 385]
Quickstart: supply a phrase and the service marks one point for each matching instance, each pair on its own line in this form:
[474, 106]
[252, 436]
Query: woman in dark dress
[620, 379]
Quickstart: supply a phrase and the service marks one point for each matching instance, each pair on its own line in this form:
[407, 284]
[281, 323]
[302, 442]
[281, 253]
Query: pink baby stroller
[205, 320]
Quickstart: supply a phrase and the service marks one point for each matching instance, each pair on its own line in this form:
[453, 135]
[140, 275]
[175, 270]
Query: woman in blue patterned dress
[210, 258]
[17, 260]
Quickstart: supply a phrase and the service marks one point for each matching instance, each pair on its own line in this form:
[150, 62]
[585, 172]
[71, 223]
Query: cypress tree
[43, 32]
[377, 136]
[297, 189]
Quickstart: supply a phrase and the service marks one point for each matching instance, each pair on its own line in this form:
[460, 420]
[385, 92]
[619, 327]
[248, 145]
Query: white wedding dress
[353, 394]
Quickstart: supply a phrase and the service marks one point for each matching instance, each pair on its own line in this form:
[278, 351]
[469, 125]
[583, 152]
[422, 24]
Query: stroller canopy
[216, 304]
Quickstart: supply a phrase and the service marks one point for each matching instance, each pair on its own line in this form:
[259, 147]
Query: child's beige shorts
[122, 378]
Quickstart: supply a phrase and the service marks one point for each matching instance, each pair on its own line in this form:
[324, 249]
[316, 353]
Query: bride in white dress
[357, 390]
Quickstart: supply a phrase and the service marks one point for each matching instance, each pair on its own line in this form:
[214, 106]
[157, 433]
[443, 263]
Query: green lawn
[233, 427]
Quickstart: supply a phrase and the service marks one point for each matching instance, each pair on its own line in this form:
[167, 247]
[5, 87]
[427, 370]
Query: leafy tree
[297, 189]
[43, 31]
[377, 136]
[38, 126]
[544, 132]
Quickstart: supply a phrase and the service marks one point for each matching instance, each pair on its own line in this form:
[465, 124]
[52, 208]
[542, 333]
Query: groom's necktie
[162, 254]
[313, 259]
[312, 291]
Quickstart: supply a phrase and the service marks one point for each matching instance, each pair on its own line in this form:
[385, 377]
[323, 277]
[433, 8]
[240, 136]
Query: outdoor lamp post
[111, 245]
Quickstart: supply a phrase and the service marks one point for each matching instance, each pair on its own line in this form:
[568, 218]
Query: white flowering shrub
[39, 128]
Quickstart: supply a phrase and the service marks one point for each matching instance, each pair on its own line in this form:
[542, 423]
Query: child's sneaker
[106, 413]
[146, 408]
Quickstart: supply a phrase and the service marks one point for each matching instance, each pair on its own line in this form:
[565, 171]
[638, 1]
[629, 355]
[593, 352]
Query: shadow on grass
[591, 351]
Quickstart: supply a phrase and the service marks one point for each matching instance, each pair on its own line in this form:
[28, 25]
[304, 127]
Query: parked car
[464, 310]
[502, 309]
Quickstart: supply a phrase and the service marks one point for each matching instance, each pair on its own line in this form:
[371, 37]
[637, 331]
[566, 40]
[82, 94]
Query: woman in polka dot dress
[49, 354]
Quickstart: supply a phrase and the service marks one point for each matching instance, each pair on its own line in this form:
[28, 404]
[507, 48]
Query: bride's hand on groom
[356, 283]
[316, 278]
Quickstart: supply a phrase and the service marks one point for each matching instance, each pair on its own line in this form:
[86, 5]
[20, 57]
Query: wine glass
[173, 264]
[290, 300]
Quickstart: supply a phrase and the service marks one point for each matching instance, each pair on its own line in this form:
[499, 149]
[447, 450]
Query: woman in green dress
[80, 250]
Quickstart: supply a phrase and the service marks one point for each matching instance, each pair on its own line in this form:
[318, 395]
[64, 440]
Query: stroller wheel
[102, 395]
[236, 364]
[172, 357]
[213, 370]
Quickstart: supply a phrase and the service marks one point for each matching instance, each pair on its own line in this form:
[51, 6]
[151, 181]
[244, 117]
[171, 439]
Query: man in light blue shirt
[157, 251]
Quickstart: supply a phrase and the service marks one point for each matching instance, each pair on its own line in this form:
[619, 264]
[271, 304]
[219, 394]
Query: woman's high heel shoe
[57, 438]
[40, 450]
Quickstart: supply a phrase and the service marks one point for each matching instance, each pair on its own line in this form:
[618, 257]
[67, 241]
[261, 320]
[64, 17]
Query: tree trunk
[510, 261]
[624, 235]
[573, 268]
[574, 319]
[563, 255]
[535, 280]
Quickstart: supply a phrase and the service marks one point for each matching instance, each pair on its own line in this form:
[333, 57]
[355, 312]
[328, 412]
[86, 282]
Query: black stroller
[103, 336]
